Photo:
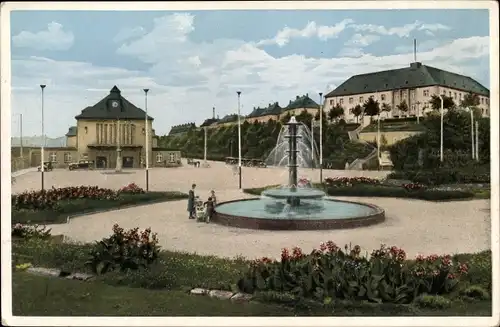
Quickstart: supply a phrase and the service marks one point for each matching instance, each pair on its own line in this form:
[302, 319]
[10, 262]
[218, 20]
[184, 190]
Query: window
[461, 96]
[341, 101]
[444, 93]
[171, 157]
[426, 93]
[331, 102]
[360, 99]
[404, 95]
[455, 95]
[449, 94]
[86, 130]
[67, 157]
[159, 157]
[85, 156]
[53, 157]
[482, 100]
[351, 100]
[487, 101]
[382, 97]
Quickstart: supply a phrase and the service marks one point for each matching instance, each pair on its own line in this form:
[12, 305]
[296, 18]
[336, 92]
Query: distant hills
[37, 141]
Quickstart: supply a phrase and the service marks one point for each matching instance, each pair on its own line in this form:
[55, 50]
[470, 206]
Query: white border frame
[5, 71]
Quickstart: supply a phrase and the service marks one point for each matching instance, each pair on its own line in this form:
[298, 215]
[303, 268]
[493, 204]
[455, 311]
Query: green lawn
[79, 206]
[45, 296]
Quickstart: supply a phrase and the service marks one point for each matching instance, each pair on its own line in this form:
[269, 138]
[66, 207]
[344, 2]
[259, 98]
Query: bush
[27, 231]
[480, 269]
[432, 301]
[398, 192]
[475, 292]
[124, 250]
[385, 276]
[349, 181]
[473, 174]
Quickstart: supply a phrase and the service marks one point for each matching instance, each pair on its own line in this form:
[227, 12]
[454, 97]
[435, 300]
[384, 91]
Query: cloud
[284, 36]
[54, 38]
[400, 31]
[129, 33]
[188, 78]
[422, 46]
[359, 40]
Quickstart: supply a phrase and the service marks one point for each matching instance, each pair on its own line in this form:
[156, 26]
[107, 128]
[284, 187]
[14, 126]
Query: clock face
[114, 104]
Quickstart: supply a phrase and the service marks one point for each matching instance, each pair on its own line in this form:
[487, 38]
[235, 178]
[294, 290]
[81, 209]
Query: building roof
[302, 102]
[104, 109]
[272, 109]
[257, 112]
[182, 128]
[415, 76]
[209, 122]
[71, 131]
[229, 118]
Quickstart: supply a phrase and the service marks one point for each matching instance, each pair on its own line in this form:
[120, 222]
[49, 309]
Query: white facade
[417, 100]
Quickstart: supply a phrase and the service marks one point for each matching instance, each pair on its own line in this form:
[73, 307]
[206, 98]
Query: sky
[193, 61]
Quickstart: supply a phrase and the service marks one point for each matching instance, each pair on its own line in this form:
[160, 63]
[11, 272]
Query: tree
[470, 100]
[304, 117]
[335, 113]
[386, 108]
[357, 111]
[402, 106]
[286, 118]
[435, 102]
[371, 107]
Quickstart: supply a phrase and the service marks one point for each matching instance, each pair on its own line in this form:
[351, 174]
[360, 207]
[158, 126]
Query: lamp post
[118, 148]
[146, 127]
[312, 142]
[418, 112]
[42, 167]
[472, 132]
[321, 137]
[441, 155]
[477, 140]
[239, 141]
[378, 136]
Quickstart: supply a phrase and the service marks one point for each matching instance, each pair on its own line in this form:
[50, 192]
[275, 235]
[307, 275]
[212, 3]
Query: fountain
[295, 206]
[307, 155]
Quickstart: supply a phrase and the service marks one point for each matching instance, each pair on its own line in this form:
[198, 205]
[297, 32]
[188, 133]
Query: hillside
[36, 141]
[258, 140]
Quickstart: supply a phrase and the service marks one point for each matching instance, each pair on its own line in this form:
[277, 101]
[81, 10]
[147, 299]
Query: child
[214, 198]
[191, 202]
[210, 209]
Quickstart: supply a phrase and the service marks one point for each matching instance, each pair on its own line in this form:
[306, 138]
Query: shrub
[349, 181]
[124, 250]
[414, 186]
[432, 301]
[385, 276]
[28, 231]
[132, 188]
[473, 174]
[480, 269]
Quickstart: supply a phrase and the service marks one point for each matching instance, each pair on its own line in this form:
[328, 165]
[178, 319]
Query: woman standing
[191, 203]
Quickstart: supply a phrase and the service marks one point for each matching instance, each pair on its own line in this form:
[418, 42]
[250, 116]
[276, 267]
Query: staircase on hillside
[385, 161]
[358, 163]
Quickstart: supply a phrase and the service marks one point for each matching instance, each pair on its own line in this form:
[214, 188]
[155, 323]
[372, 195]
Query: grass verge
[80, 206]
[44, 296]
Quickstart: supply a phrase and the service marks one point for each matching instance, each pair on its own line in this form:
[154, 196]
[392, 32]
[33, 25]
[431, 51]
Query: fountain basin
[335, 214]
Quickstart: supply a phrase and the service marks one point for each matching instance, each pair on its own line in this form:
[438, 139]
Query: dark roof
[302, 102]
[229, 118]
[104, 110]
[257, 112]
[209, 122]
[417, 75]
[182, 128]
[273, 109]
[71, 131]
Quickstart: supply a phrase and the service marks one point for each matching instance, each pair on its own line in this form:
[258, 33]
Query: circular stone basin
[302, 193]
[335, 214]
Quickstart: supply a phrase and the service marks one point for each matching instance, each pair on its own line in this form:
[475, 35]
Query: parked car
[82, 164]
[47, 166]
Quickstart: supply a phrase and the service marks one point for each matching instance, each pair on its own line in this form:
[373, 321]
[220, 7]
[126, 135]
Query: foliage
[432, 301]
[385, 108]
[437, 176]
[423, 150]
[259, 139]
[414, 186]
[38, 207]
[371, 107]
[357, 111]
[470, 100]
[335, 113]
[132, 188]
[402, 106]
[435, 102]
[349, 181]
[30, 231]
[331, 273]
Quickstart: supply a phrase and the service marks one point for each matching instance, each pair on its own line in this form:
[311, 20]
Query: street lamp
[418, 112]
[146, 126]
[472, 132]
[442, 119]
[477, 140]
[239, 140]
[42, 167]
[321, 137]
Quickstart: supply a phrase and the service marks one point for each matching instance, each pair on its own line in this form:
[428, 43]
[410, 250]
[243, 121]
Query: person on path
[210, 205]
[214, 198]
[191, 207]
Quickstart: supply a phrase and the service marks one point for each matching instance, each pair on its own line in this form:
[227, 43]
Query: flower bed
[54, 205]
[349, 181]
[442, 176]
[331, 273]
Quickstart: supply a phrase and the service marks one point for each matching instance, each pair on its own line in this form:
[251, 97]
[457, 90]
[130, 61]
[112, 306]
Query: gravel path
[416, 226]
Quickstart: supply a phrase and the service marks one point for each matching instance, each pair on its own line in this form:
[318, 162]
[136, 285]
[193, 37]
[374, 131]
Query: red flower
[285, 255]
